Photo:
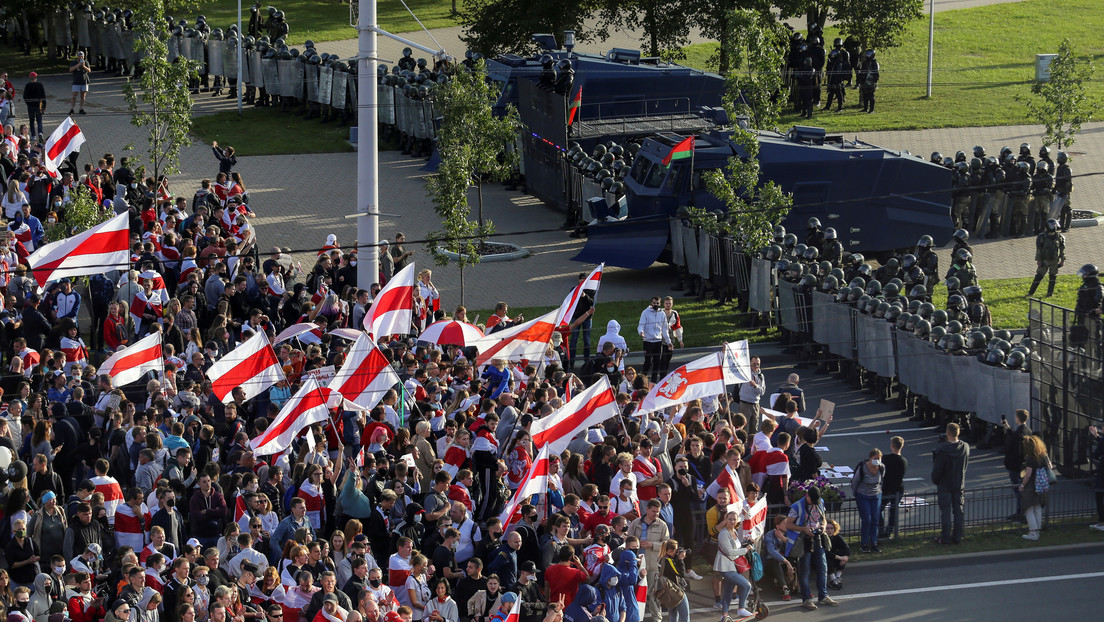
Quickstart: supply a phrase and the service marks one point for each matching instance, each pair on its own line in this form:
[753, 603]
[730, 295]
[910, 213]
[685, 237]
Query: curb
[1086, 222]
[1058, 549]
[520, 253]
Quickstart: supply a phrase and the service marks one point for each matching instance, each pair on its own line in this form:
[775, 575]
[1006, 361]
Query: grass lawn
[1006, 301]
[984, 57]
[252, 133]
[328, 20]
[704, 323]
[18, 66]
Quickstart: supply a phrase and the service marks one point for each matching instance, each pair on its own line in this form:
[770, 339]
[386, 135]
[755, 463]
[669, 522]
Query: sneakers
[71, 111]
[744, 613]
[835, 584]
[1097, 526]
[875, 549]
[82, 111]
[716, 605]
[1031, 535]
[786, 593]
[827, 600]
[693, 575]
[864, 548]
[809, 604]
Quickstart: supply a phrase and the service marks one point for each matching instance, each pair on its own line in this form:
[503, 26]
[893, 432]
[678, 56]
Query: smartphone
[1004, 419]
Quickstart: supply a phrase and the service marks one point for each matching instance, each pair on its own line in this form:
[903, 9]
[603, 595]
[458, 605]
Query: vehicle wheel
[762, 611]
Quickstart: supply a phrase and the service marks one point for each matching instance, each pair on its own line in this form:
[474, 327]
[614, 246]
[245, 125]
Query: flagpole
[728, 400]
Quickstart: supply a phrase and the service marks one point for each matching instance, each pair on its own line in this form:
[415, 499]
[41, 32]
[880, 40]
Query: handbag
[1042, 481]
[756, 566]
[668, 593]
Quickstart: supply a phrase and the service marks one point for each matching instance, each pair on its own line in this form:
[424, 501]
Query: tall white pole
[931, 42]
[241, 35]
[367, 148]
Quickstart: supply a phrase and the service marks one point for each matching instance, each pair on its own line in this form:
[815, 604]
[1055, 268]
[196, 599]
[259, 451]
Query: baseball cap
[33, 74]
[509, 597]
[528, 566]
[330, 598]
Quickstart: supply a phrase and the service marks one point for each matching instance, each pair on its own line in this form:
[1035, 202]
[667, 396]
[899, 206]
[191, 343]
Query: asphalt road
[1004, 587]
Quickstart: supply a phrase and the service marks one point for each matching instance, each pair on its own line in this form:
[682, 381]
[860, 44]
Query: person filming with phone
[80, 71]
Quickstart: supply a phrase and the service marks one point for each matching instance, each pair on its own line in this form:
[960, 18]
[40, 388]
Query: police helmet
[926, 241]
[829, 233]
[825, 267]
[1026, 343]
[1087, 271]
[979, 151]
[893, 314]
[1000, 343]
[870, 53]
[1062, 157]
[963, 255]
[1025, 149]
[938, 333]
[891, 290]
[607, 159]
[955, 342]
[1010, 159]
[814, 223]
[607, 183]
[991, 162]
[617, 151]
[881, 309]
[1015, 360]
[994, 357]
[903, 319]
[799, 251]
[939, 317]
[926, 310]
[1005, 151]
[960, 156]
[774, 252]
[923, 329]
[956, 302]
[865, 270]
[1006, 335]
[936, 157]
[856, 296]
[962, 167]
[953, 284]
[892, 264]
[948, 162]
[914, 305]
[779, 233]
[988, 332]
[599, 150]
[811, 253]
[837, 43]
[1044, 151]
[858, 282]
[908, 261]
[871, 306]
[912, 321]
[838, 273]
[975, 340]
[972, 292]
[783, 265]
[617, 188]
[1051, 225]
[961, 235]
[830, 284]
[954, 326]
[271, 11]
[809, 281]
[874, 287]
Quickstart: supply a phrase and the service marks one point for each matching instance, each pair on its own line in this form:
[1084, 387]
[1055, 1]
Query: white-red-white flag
[241, 513]
[393, 309]
[515, 612]
[695, 380]
[455, 456]
[130, 364]
[737, 362]
[535, 482]
[593, 406]
[754, 524]
[112, 493]
[157, 282]
[366, 375]
[589, 284]
[729, 479]
[253, 366]
[299, 330]
[100, 249]
[306, 407]
[66, 139]
[527, 341]
[642, 597]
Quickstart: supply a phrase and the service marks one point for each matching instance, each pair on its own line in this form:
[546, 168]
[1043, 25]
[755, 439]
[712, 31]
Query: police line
[954, 382]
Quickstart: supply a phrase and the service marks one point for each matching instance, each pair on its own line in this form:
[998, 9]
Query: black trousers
[653, 351]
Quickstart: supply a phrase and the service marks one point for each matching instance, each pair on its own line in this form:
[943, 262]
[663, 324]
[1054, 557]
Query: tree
[472, 143]
[815, 11]
[506, 26]
[753, 208]
[876, 23]
[1061, 104]
[81, 213]
[160, 101]
[662, 23]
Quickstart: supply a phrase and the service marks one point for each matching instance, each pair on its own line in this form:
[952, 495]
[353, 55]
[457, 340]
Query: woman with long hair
[1034, 495]
[672, 566]
[729, 550]
[14, 199]
[574, 479]
[518, 459]
[417, 586]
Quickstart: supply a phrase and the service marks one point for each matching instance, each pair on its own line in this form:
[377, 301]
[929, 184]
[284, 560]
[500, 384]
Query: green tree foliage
[1061, 104]
[158, 99]
[753, 207]
[499, 26]
[816, 12]
[662, 23]
[81, 213]
[876, 23]
[472, 143]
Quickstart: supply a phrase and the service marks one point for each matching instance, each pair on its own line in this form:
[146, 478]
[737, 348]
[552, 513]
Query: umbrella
[451, 332]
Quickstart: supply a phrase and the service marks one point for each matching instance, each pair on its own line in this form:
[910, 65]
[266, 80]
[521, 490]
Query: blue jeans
[813, 560]
[681, 611]
[730, 581]
[583, 328]
[869, 514]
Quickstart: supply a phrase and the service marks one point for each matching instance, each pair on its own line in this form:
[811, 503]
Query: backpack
[860, 475]
[756, 566]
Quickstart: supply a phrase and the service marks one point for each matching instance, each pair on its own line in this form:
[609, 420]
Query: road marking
[835, 435]
[935, 588]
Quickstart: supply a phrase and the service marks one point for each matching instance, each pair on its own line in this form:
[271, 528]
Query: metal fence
[987, 507]
[1068, 389]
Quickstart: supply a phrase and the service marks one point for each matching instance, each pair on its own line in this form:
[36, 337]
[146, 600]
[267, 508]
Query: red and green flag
[574, 106]
[684, 149]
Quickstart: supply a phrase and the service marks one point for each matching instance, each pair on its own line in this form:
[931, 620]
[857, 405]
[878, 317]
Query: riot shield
[311, 74]
[117, 42]
[325, 85]
[214, 57]
[104, 40]
[759, 288]
[63, 36]
[340, 90]
[199, 54]
[256, 74]
[271, 76]
[1056, 206]
[985, 208]
[174, 48]
[230, 60]
[185, 47]
[351, 85]
[84, 39]
[128, 47]
[298, 77]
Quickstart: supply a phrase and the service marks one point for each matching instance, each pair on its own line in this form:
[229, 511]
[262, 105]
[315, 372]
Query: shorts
[80, 88]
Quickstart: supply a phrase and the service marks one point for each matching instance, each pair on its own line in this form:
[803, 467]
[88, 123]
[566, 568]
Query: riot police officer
[961, 194]
[962, 269]
[805, 79]
[814, 234]
[1090, 299]
[1042, 184]
[911, 273]
[1063, 187]
[1044, 156]
[976, 309]
[994, 179]
[1019, 189]
[1025, 156]
[1050, 254]
[961, 240]
[839, 72]
[926, 258]
[832, 247]
[871, 74]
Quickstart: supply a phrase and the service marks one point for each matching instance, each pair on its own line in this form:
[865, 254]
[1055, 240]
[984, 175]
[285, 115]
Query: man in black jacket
[949, 461]
[1013, 457]
[34, 94]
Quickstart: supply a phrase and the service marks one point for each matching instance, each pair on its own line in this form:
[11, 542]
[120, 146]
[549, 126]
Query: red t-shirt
[564, 580]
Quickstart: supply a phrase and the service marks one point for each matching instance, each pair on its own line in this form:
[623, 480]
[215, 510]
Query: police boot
[1050, 285]
[1035, 285]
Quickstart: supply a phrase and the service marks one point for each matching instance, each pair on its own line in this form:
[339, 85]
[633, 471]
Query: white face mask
[59, 569]
[876, 462]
